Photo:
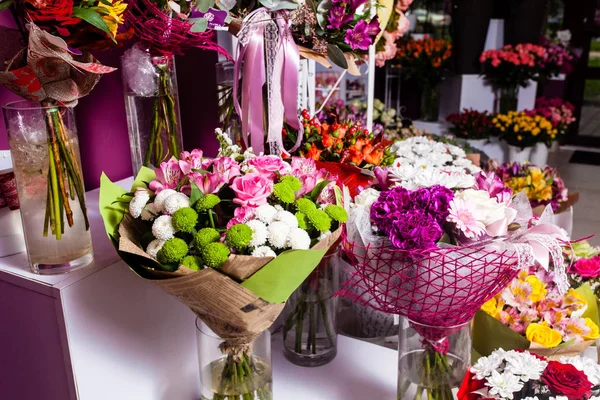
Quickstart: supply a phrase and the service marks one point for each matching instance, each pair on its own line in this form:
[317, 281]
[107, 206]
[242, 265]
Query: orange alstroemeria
[327, 140]
[314, 153]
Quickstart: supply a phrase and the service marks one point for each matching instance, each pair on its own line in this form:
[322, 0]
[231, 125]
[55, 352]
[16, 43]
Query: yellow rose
[491, 308]
[538, 289]
[543, 335]
[537, 176]
[595, 331]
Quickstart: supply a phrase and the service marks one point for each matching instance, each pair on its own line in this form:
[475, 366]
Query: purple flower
[439, 206]
[373, 28]
[358, 38]
[354, 4]
[492, 183]
[383, 178]
[336, 17]
[415, 230]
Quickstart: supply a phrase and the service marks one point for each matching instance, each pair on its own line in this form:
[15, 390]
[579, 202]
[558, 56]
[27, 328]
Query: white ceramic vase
[516, 154]
[539, 155]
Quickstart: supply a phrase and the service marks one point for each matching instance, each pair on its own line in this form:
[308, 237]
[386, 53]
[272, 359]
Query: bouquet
[521, 129]
[511, 66]
[251, 227]
[559, 56]
[397, 26]
[558, 112]
[470, 124]
[539, 317]
[521, 375]
[585, 267]
[542, 186]
[423, 162]
[435, 255]
[425, 60]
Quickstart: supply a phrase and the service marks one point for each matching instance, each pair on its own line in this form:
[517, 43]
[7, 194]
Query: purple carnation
[439, 206]
[415, 230]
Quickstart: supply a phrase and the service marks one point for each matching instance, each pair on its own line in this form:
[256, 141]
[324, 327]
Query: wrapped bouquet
[435, 255]
[230, 237]
[520, 375]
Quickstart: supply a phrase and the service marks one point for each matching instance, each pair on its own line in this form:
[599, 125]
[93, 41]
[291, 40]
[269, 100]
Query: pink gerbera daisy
[462, 216]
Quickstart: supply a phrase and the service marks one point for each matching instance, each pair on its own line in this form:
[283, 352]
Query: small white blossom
[485, 365]
[503, 385]
[278, 234]
[259, 233]
[265, 213]
[531, 398]
[367, 197]
[263, 251]
[159, 200]
[298, 239]
[150, 212]
[154, 247]
[287, 217]
[136, 205]
[162, 228]
[174, 202]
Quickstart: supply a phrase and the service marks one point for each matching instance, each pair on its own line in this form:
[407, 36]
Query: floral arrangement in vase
[509, 68]
[426, 60]
[470, 124]
[397, 26]
[543, 186]
[559, 56]
[416, 250]
[522, 130]
[521, 375]
[197, 224]
[539, 318]
[558, 112]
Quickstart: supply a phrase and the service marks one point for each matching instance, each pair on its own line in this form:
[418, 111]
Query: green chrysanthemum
[305, 205]
[303, 222]
[192, 262]
[172, 251]
[215, 254]
[336, 213]
[206, 236]
[320, 220]
[293, 182]
[284, 193]
[185, 219]
[207, 202]
[239, 236]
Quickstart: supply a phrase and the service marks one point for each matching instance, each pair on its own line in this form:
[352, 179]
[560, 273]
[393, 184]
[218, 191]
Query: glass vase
[152, 107]
[506, 99]
[430, 103]
[242, 374]
[309, 330]
[47, 166]
[432, 361]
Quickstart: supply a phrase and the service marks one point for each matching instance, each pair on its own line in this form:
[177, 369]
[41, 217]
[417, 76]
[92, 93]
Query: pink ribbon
[272, 62]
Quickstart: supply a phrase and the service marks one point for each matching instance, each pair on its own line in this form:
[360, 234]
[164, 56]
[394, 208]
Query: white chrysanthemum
[503, 385]
[162, 228]
[278, 207]
[259, 233]
[149, 212]
[154, 247]
[136, 205]
[287, 217]
[485, 365]
[278, 234]
[160, 198]
[263, 251]
[298, 239]
[526, 368]
[176, 201]
[265, 213]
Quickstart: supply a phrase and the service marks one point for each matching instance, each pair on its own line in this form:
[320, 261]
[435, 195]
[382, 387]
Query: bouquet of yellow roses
[530, 313]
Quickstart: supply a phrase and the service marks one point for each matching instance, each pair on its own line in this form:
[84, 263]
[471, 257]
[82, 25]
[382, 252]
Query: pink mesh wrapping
[441, 287]
[163, 34]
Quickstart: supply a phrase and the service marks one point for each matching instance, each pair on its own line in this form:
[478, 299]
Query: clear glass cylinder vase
[506, 99]
[47, 166]
[309, 330]
[430, 103]
[432, 361]
[152, 107]
[229, 372]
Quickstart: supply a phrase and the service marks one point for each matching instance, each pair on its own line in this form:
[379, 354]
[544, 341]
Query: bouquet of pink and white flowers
[523, 376]
[558, 112]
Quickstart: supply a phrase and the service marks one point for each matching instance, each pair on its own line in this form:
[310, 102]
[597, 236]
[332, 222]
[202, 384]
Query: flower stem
[55, 195]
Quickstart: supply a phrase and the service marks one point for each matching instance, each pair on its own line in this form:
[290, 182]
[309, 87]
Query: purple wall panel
[101, 120]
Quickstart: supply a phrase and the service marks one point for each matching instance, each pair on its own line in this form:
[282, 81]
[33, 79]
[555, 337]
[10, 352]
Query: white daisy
[287, 217]
[503, 385]
[136, 205]
[265, 213]
[162, 228]
[263, 251]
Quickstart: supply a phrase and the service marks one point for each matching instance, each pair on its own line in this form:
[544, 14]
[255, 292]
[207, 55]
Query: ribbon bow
[268, 54]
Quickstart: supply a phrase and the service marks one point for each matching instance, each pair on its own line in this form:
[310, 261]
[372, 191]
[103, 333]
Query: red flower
[566, 380]
[469, 385]
[47, 13]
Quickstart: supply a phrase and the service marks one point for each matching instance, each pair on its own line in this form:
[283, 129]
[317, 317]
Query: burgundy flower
[358, 38]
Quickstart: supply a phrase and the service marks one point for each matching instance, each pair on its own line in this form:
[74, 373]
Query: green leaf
[92, 17]
[198, 24]
[314, 195]
[204, 5]
[323, 11]
[275, 5]
[5, 4]
[336, 55]
[196, 194]
[106, 3]
[587, 293]
[200, 171]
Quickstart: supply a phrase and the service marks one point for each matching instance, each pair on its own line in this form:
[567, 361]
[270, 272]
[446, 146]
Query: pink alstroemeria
[190, 161]
[168, 176]
[207, 183]
[226, 167]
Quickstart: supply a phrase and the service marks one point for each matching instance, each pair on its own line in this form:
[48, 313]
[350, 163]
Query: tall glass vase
[506, 99]
[432, 361]
[152, 106]
[309, 331]
[430, 103]
[225, 374]
[47, 166]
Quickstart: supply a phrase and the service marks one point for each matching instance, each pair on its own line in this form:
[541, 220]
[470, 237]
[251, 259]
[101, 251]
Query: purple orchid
[358, 38]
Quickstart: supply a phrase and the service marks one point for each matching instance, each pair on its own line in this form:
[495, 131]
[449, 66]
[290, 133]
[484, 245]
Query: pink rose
[252, 189]
[587, 268]
[167, 176]
[269, 165]
[226, 167]
[190, 161]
